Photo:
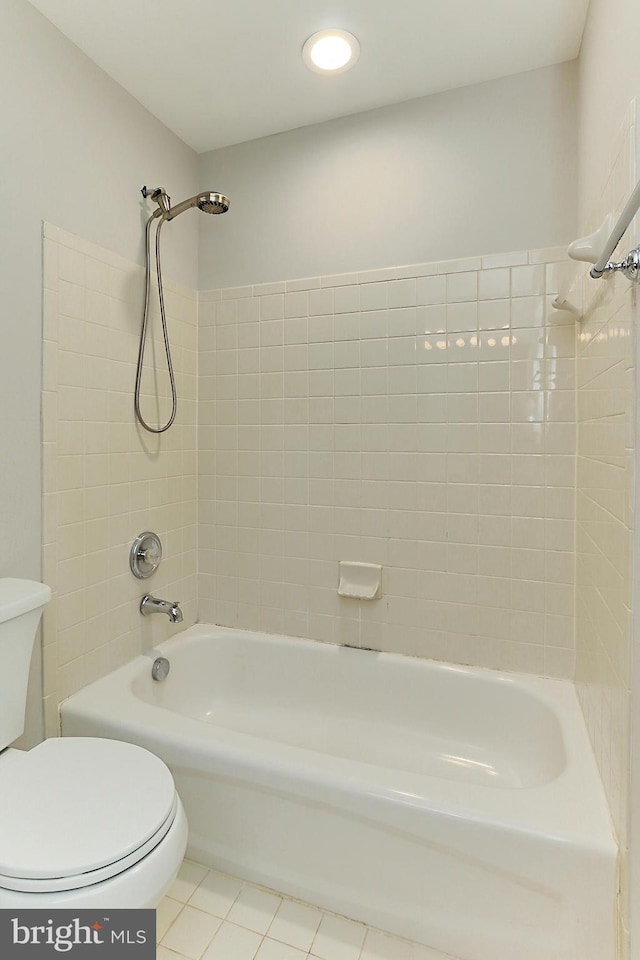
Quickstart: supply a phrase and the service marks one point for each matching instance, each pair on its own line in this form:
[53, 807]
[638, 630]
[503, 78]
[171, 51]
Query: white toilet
[84, 822]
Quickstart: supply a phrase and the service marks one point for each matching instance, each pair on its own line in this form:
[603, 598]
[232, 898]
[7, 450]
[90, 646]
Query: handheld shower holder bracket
[152, 193]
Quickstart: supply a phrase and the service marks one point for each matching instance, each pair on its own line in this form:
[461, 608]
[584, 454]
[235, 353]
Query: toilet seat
[76, 811]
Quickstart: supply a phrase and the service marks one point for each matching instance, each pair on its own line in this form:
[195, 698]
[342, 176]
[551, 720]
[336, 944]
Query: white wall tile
[493, 261]
[365, 368]
[374, 296]
[528, 281]
[402, 293]
[346, 299]
[462, 286]
[98, 490]
[603, 528]
[528, 312]
[430, 290]
[272, 307]
[306, 283]
[494, 284]
[425, 447]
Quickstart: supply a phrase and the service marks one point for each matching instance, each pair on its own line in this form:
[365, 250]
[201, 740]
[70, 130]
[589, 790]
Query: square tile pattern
[104, 481]
[421, 417]
[418, 417]
[208, 915]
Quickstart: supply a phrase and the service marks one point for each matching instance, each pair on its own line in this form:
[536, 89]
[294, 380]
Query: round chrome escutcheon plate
[145, 555]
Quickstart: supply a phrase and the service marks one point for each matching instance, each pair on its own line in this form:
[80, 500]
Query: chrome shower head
[212, 203]
[207, 202]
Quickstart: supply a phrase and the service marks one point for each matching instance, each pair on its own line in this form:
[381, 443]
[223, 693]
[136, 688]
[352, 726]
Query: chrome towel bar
[602, 263]
[587, 248]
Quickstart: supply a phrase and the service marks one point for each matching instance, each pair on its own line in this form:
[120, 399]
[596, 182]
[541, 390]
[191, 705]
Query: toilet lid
[75, 810]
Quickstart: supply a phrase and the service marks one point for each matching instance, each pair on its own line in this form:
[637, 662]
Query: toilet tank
[21, 604]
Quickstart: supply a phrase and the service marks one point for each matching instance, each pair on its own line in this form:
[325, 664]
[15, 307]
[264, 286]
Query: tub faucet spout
[149, 605]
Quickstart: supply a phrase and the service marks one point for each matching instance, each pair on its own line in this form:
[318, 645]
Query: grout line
[285, 898]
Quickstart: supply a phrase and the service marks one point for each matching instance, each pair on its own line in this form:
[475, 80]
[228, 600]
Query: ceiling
[219, 72]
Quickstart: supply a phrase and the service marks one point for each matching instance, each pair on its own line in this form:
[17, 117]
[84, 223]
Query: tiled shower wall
[422, 418]
[105, 481]
[605, 467]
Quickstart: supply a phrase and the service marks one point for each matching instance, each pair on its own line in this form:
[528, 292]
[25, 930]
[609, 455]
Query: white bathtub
[454, 806]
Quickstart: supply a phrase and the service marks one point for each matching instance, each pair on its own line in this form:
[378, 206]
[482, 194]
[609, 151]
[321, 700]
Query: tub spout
[150, 604]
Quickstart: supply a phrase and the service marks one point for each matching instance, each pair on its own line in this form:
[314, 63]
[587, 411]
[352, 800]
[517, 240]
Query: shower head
[207, 202]
[212, 203]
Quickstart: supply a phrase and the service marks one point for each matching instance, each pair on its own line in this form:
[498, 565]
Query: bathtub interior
[394, 712]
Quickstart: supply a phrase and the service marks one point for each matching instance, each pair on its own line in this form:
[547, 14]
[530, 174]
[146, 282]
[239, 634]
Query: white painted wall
[75, 150]
[478, 170]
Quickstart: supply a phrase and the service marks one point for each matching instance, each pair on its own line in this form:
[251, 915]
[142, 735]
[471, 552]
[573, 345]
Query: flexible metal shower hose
[143, 331]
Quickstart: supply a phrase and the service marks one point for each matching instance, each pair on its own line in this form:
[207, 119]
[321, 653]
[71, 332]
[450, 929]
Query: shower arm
[179, 208]
[165, 210]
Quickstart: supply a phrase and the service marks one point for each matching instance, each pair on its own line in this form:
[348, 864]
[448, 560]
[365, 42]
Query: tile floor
[208, 915]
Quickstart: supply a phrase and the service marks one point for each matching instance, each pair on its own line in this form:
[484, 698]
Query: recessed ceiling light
[331, 51]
